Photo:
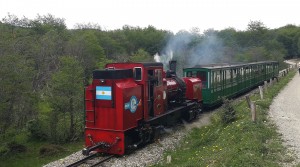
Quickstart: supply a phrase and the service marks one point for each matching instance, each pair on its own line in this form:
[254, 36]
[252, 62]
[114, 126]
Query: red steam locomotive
[127, 104]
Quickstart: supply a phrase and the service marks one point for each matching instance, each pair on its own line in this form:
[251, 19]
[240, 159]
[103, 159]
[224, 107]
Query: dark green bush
[227, 113]
[14, 147]
[35, 129]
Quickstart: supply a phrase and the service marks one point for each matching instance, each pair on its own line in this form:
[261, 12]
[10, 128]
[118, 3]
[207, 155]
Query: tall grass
[238, 143]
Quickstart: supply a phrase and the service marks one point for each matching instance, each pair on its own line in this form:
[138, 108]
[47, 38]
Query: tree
[46, 23]
[141, 56]
[289, 36]
[65, 98]
[256, 34]
[85, 47]
[17, 97]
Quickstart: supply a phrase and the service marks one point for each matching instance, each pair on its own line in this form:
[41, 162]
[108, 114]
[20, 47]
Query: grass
[239, 143]
[32, 157]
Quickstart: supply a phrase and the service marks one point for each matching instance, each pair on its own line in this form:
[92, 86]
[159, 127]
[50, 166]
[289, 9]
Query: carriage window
[189, 74]
[203, 78]
[194, 74]
[201, 75]
[137, 73]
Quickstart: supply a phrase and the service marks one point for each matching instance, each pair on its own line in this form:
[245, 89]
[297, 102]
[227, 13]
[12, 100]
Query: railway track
[90, 157]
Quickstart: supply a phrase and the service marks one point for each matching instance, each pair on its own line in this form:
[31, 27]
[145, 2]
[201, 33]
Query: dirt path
[285, 111]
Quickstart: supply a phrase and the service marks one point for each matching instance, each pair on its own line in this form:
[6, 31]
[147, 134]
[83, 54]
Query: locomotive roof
[145, 64]
[229, 65]
[148, 64]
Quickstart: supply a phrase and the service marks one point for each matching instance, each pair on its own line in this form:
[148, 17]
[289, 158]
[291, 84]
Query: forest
[45, 66]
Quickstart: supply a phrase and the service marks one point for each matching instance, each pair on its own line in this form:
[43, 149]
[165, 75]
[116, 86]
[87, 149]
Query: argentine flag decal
[103, 92]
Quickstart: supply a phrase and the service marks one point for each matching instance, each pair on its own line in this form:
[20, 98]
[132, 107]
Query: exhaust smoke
[190, 49]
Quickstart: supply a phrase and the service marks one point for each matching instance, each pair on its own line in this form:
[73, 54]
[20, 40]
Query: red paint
[193, 88]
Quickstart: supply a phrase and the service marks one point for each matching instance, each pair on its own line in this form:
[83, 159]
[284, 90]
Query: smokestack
[172, 65]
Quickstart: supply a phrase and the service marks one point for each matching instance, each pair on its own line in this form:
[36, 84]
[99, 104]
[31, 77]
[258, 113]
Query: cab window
[137, 74]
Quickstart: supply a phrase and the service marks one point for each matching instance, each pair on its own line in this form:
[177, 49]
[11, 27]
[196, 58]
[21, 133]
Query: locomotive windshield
[112, 74]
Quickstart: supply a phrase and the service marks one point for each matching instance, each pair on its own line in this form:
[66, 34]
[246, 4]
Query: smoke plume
[190, 49]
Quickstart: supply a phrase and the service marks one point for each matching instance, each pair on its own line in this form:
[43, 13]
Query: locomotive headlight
[102, 81]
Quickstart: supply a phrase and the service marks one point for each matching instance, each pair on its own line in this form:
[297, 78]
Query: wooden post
[271, 82]
[169, 159]
[265, 85]
[253, 111]
[248, 101]
[261, 92]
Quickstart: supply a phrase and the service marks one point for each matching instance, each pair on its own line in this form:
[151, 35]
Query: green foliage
[36, 130]
[17, 97]
[65, 99]
[141, 56]
[37, 154]
[227, 113]
[102, 62]
[149, 39]
[289, 37]
[14, 147]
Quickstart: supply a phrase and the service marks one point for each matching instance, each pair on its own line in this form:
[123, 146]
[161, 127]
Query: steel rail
[77, 163]
[102, 160]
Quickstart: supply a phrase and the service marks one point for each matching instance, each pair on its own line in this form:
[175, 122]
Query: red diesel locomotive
[127, 104]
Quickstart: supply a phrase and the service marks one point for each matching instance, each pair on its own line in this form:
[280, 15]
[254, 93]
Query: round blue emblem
[132, 104]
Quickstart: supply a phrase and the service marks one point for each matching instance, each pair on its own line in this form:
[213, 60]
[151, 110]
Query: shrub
[227, 113]
[35, 129]
[3, 150]
[14, 147]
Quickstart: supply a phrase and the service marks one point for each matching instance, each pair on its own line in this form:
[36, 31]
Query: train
[230, 80]
[128, 104]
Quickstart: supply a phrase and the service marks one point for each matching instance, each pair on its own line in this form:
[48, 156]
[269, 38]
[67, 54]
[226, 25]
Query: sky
[172, 15]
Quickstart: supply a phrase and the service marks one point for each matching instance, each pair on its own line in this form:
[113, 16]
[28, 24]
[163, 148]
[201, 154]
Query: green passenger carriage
[229, 80]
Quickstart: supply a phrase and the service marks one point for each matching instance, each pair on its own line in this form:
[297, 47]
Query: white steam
[164, 58]
[190, 49]
[209, 50]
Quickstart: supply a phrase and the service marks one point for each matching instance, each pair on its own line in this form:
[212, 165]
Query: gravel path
[285, 112]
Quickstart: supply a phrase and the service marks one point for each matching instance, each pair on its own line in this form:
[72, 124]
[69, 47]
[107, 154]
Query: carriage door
[151, 84]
